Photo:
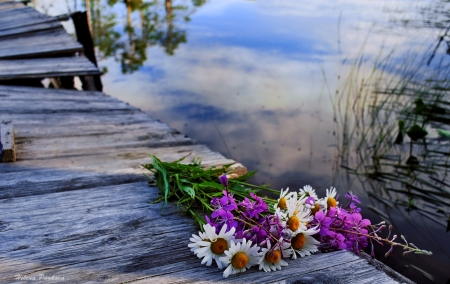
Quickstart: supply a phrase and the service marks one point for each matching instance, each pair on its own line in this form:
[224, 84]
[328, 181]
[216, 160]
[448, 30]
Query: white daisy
[303, 244]
[239, 257]
[330, 198]
[271, 259]
[282, 201]
[210, 245]
[195, 241]
[297, 216]
[308, 191]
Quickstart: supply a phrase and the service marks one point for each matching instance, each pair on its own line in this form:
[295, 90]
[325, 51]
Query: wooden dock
[75, 205]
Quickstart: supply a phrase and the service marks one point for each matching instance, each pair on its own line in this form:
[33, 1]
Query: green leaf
[161, 177]
[189, 190]
[443, 133]
[186, 189]
[215, 185]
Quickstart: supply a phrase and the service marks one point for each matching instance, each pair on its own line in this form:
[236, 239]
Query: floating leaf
[416, 132]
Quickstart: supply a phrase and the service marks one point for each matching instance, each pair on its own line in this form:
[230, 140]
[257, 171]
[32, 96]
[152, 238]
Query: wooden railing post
[84, 37]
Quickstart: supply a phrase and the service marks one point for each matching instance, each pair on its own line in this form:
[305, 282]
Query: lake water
[286, 88]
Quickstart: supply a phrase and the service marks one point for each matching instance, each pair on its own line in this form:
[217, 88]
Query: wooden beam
[46, 68]
[8, 152]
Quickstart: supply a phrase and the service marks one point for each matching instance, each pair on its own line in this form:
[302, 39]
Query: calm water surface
[280, 87]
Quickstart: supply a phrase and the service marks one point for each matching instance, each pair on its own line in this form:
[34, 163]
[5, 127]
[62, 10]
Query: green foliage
[443, 133]
[192, 187]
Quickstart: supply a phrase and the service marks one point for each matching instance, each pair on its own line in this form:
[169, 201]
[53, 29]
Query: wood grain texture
[18, 31]
[10, 5]
[8, 147]
[41, 43]
[76, 205]
[46, 67]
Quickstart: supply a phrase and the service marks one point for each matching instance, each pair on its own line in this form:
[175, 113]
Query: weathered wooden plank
[21, 92]
[46, 67]
[127, 161]
[7, 147]
[113, 234]
[32, 177]
[119, 117]
[20, 13]
[24, 17]
[10, 5]
[47, 42]
[28, 29]
[70, 146]
[67, 105]
[39, 37]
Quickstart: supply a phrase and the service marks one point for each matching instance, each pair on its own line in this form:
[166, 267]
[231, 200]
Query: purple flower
[226, 202]
[324, 223]
[224, 180]
[310, 201]
[352, 197]
[337, 240]
[353, 208]
[332, 212]
[355, 221]
[252, 209]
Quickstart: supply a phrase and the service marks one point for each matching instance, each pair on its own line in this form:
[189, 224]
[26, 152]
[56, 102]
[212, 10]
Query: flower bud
[224, 180]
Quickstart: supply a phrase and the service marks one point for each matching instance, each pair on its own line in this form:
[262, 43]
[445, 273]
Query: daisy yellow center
[293, 223]
[315, 209]
[298, 241]
[331, 202]
[282, 204]
[239, 260]
[273, 256]
[219, 246]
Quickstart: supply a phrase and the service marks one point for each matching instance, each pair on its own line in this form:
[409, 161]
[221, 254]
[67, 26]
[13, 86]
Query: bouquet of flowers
[245, 229]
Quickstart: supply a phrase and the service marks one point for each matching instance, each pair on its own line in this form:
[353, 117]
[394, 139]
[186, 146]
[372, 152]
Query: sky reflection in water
[260, 74]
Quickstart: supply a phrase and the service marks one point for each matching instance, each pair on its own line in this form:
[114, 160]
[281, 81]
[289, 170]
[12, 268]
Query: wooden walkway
[75, 205]
[27, 36]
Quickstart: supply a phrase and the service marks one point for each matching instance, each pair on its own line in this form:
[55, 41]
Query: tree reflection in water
[146, 24]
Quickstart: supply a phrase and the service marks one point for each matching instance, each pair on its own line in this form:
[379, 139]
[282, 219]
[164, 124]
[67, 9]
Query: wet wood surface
[76, 205]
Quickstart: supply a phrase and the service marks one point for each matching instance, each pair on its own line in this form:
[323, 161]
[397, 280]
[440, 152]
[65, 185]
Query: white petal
[222, 231]
[228, 271]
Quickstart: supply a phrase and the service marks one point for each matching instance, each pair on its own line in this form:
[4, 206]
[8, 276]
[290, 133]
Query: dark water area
[304, 93]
